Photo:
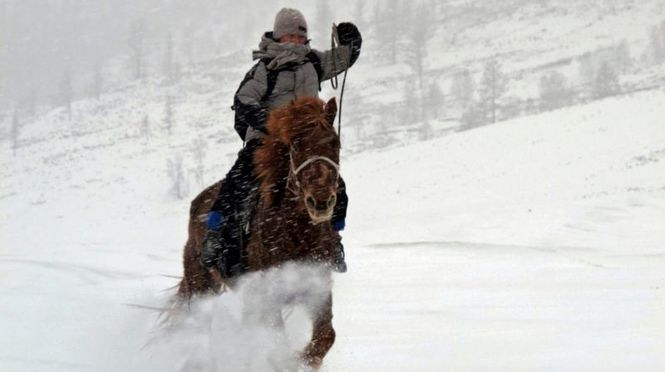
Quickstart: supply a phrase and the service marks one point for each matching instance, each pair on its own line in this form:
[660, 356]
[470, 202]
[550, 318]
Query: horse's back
[202, 203]
[197, 279]
[198, 212]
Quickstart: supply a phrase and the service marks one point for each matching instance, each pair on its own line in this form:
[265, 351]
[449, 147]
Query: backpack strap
[272, 79]
[272, 74]
[314, 59]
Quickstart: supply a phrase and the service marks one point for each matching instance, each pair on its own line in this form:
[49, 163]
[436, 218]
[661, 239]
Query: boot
[339, 265]
[212, 252]
[219, 252]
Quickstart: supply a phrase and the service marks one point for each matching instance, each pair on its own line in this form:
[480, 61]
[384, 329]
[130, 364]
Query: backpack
[311, 57]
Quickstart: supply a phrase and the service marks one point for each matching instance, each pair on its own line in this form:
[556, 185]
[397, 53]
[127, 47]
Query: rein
[334, 43]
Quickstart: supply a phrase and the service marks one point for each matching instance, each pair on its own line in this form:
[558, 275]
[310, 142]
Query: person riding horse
[287, 69]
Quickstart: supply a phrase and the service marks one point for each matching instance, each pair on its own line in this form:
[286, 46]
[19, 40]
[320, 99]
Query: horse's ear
[331, 111]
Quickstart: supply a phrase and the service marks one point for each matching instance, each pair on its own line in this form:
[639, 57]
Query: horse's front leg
[323, 336]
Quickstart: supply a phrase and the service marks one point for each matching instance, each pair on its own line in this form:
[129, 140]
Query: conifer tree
[493, 86]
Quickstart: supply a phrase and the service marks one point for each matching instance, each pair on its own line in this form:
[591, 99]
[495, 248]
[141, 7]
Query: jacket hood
[280, 53]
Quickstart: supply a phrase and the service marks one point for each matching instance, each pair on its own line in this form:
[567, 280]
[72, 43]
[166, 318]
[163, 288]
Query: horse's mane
[302, 119]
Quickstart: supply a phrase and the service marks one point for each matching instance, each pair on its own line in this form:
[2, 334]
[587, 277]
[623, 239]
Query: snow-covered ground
[534, 244]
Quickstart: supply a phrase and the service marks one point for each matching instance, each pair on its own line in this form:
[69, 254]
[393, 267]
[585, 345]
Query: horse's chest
[289, 242]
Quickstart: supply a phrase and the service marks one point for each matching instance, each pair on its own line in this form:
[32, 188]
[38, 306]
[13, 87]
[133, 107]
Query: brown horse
[297, 168]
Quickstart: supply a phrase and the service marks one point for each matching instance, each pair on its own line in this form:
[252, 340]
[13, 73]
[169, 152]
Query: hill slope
[535, 243]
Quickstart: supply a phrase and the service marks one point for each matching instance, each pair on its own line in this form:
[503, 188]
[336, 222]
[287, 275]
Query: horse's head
[314, 158]
[301, 155]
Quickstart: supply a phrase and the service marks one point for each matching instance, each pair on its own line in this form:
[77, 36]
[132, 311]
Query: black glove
[247, 116]
[349, 35]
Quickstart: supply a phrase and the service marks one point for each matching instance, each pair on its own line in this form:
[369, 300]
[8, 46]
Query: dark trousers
[238, 183]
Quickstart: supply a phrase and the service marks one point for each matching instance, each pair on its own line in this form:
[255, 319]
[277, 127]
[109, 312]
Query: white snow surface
[533, 244]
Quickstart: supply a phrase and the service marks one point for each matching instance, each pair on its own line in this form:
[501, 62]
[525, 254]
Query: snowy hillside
[572, 38]
[532, 244]
[541, 180]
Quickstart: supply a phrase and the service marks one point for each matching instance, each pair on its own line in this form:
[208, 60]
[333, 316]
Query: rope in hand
[334, 43]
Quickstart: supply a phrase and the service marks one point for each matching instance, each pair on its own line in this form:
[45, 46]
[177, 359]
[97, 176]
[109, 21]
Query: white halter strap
[311, 160]
[294, 171]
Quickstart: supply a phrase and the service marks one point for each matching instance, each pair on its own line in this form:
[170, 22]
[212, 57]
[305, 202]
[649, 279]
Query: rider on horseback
[287, 69]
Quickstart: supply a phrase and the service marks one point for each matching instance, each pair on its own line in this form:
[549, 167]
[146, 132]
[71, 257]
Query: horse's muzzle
[320, 211]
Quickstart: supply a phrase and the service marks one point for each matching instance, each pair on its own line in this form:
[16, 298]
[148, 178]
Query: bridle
[293, 171]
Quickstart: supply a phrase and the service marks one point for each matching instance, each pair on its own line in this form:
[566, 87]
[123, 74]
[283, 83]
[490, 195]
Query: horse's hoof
[313, 364]
[216, 277]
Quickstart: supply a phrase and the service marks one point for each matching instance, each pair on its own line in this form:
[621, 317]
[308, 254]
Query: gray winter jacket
[285, 72]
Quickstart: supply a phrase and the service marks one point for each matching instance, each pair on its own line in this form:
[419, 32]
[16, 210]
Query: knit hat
[289, 21]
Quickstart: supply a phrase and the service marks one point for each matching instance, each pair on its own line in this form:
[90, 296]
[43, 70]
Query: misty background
[57, 51]
[427, 67]
[505, 164]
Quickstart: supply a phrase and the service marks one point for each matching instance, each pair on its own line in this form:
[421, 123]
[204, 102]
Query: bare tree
[462, 88]
[67, 92]
[168, 114]
[412, 111]
[15, 131]
[474, 115]
[30, 102]
[419, 31]
[97, 80]
[657, 41]
[606, 82]
[622, 58]
[144, 130]
[425, 131]
[586, 68]
[434, 103]
[493, 86]
[5, 54]
[136, 48]
[176, 173]
[387, 21]
[554, 91]
[199, 151]
[187, 40]
[169, 66]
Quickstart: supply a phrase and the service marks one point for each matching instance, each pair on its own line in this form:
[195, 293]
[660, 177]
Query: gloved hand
[350, 36]
[247, 115]
[348, 33]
